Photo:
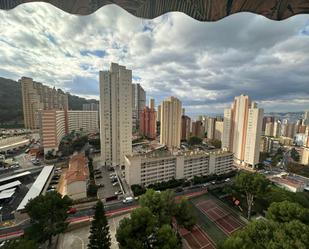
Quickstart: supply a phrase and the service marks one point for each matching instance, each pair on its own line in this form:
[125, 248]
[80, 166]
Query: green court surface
[210, 227]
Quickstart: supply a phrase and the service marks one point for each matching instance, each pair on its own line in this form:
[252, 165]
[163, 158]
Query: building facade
[138, 104]
[115, 114]
[91, 107]
[36, 96]
[170, 125]
[185, 127]
[242, 130]
[197, 129]
[87, 121]
[218, 130]
[150, 169]
[211, 128]
[148, 121]
[53, 127]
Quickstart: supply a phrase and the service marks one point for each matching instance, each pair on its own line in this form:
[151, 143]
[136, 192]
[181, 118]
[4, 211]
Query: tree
[166, 239]
[252, 185]
[216, 143]
[271, 235]
[99, 231]
[295, 155]
[142, 231]
[184, 215]
[137, 232]
[162, 205]
[48, 214]
[194, 141]
[286, 211]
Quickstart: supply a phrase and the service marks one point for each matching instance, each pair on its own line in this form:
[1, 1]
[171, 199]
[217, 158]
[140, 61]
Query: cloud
[203, 64]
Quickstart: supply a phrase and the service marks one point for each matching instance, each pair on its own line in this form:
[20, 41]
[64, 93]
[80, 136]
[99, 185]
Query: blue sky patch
[97, 53]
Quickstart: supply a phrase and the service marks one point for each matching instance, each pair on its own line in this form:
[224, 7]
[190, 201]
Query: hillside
[11, 103]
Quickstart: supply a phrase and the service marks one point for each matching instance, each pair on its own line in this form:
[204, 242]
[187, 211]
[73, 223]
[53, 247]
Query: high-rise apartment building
[159, 114]
[198, 129]
[185, 127]
[277, 128]
[170, 131]
[115, 114]
[36, 96]
[148, 121]
[152, 103]
[138, 103]
[269, 129]
[91, 107]
[306, 118]
[218, 130]
[54, 124]
[242, 130]
[211, 128]
[53, 127]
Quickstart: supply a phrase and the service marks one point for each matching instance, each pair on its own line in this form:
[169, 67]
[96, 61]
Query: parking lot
[104, 178]
[78, 238]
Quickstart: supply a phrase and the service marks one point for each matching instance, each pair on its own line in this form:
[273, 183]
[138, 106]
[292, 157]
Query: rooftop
[78, 169]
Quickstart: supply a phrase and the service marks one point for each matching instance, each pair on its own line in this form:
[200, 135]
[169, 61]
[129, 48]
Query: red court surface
[223, 218]
[196, 239]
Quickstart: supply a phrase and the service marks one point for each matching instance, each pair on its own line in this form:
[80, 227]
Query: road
[111, 209]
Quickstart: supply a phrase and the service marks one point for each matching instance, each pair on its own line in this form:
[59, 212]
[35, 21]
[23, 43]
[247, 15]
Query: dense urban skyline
[172, 55]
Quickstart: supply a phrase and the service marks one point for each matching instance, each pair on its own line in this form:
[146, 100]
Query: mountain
[11, 109]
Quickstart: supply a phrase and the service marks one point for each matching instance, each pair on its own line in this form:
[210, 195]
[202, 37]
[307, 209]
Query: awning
[203, 10]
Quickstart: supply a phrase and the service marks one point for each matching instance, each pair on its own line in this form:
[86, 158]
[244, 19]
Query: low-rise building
[288, 184]
[87, 121]
[161, 166]
[76, 177]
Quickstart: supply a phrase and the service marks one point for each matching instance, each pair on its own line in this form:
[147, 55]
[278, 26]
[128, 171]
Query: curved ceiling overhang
[202, 10]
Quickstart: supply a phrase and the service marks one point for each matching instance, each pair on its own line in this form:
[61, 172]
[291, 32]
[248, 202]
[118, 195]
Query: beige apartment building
[211, 128]
[218, 130]
[242, 130]
[53, 128]
[164, 166]
[36, 96]
[170, 127]
[116, 114]
[55, 124]
[87, 121]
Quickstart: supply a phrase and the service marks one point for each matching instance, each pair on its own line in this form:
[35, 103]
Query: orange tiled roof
[78, 169]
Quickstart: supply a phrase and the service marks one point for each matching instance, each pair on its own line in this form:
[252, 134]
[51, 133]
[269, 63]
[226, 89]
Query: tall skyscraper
[269, 129]
[306, 118]
[197, 129]
[152, 103]
[170, 133]
[277, 128]
[242, 130]
[36, 96]
[148, 122]
[116, 114]
[138, 103]
[185, 127]
[218, 130]
[211, 128]
[159, 114]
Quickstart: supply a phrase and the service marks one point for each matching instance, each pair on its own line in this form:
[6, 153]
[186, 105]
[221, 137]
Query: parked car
[112, 174]
[98, 176]
[227, 180]
[72, 210]
[115, 184]
[114, 180]
[128, 199]
[101, 185]
[213, 182]
[178, 190]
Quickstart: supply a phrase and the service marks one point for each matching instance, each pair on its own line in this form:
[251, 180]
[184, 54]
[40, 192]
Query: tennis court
[220, 216]
[196, 239]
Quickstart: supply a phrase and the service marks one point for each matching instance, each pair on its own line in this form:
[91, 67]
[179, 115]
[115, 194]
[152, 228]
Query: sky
[204, 64]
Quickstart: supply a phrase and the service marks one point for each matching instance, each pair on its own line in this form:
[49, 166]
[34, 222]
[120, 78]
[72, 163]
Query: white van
[128, 199]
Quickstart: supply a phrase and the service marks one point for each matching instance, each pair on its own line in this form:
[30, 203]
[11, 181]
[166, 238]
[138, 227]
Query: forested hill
[11, 103]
